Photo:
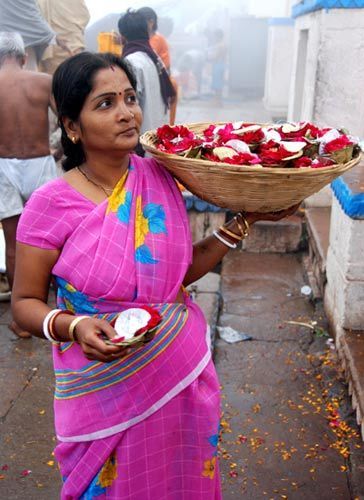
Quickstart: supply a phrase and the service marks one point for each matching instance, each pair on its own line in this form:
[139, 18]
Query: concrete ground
[287, 428]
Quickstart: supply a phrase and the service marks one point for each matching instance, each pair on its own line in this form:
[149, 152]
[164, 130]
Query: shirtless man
[25, 160]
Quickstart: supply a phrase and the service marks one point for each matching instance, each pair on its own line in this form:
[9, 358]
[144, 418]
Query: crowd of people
[111, 233]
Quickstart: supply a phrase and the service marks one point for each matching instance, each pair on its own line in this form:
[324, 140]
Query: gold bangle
[244, 231]
[72, 327]
[234, 236]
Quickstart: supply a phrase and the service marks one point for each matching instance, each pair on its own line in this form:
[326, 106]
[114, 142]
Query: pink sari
[146, 426]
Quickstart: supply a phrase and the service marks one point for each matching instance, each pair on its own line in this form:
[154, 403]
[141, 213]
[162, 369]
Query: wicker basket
[248, 188]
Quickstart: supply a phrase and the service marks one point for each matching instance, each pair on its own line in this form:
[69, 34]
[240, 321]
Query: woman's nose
[123, 112]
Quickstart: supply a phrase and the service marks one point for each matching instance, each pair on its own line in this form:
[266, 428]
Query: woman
[160, 46]
[157, 41]
[139, 423]
[154, 88]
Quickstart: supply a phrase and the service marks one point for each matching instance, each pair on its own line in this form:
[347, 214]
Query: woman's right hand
[88, 333]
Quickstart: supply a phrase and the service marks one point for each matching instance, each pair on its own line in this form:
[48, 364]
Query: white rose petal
[272, 135]
[237, 125]
[249, 128]
[293, 146]
[130, 321]
[223, 152]
[287, 128]
[239, 146]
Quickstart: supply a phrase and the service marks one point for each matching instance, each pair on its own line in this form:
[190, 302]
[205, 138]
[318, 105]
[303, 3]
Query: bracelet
[244, 231]
[52, 320]
[72, 327]
[232, 235]
[225, 242]
[46, 321]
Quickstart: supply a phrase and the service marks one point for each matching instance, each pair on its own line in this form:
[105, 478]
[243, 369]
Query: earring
[74, 139]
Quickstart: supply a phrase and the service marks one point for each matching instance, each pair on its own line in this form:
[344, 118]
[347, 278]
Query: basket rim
[149, 135]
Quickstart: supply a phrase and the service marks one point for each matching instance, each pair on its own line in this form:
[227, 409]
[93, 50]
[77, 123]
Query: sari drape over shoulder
[133, 249]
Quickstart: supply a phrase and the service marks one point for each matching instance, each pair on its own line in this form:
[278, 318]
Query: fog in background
[189, 27]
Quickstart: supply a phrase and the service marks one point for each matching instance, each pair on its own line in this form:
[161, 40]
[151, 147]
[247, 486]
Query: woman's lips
[129, 131]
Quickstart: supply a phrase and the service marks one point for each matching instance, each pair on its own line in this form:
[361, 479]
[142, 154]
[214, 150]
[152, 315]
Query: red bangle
[52, 333]
[229, 235]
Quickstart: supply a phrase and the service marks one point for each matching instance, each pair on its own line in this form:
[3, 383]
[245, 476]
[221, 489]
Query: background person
[154, 88]
[160, 45]
[67, 18]
[157, 41]
[114, 231]
[24, 17]
[25, 160]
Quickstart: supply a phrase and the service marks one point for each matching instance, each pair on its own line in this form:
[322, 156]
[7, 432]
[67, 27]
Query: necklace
[107, 191]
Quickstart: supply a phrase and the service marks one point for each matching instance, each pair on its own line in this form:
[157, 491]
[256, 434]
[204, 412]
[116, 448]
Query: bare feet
[18, 331]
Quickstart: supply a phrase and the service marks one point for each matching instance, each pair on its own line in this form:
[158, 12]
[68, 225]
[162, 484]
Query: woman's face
[111, 118]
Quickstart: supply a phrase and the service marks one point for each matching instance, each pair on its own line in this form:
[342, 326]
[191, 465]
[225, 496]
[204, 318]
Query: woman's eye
[131, 99]
[104, 104]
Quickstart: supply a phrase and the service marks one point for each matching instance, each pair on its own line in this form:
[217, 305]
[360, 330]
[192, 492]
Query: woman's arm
[208, 252]
[29, 305]
[31, 284]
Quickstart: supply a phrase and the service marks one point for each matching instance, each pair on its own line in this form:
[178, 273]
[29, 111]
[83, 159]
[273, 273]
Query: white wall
[329, 88]
[278, 69]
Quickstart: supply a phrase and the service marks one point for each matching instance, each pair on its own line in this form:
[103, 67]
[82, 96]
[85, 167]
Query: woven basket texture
[248, 188]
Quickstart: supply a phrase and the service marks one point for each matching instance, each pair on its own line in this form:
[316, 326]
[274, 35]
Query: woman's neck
[106, 171]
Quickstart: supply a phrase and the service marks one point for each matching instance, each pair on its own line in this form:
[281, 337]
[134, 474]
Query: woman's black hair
[72, 82]
[150, 15]
[133, 26]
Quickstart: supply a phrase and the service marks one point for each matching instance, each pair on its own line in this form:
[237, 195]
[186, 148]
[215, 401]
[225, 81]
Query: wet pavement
[287, 429]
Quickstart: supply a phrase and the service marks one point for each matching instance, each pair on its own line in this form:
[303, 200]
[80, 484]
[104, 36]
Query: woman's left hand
[252, 217]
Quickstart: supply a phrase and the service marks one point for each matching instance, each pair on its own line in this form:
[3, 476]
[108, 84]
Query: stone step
[275, 237]
[350, 346]
[265, 236]
[318, 230]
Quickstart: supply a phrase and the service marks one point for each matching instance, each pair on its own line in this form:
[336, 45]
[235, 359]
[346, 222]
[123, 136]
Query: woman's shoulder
[55, 194]
[148, 163]
[152, 169]
[49, 191]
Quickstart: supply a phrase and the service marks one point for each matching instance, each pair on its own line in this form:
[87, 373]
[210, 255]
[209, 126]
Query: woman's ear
[72, 129]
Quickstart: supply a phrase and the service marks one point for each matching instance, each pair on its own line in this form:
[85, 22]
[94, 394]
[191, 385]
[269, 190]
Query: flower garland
[299, 145]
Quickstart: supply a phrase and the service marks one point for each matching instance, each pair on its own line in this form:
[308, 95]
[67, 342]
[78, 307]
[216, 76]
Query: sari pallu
[134, 248]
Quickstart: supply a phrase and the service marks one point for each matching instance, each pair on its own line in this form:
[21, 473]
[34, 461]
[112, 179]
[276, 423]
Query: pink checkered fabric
[169, 456]
[159, 424]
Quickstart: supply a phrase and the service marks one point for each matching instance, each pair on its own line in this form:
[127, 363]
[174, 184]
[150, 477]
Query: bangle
[46, 321]
[225, 242]
[232, 235]
[72, 327]
[244, 231]
[52, 320]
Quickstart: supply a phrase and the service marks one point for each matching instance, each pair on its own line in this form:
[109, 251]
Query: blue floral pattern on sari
[150, 219]
[72, 299]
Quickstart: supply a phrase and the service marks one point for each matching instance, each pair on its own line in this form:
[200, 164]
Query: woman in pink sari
[136, 423]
